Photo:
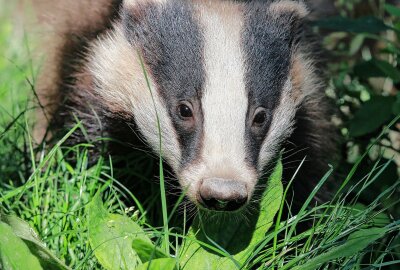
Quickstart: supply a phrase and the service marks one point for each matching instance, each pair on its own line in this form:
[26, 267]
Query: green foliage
[235, 235]
[394, 11]
[361, 25]
[363, 48]
[111, 237]
[24, 232]
[159, 264]
[372, 115]
[219, 242]
[147, 251]
[376, 68]
[14, 253]
[396, 105]
[120, 243]
[355, 243]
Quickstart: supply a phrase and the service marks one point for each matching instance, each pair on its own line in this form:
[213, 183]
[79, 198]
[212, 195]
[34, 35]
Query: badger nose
[222, 194]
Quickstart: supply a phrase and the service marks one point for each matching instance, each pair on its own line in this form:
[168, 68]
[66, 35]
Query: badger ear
[128, 3]
[295, 9]
[291, 16]
[135, 14]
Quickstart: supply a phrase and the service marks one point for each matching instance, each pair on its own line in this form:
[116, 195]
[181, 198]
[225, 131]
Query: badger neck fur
[230, 83]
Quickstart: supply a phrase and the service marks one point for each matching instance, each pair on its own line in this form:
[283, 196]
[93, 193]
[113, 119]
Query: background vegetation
[68, 226]
[363, 67]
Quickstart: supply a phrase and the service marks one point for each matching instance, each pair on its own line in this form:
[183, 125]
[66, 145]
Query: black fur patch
[268, 46]
[171, 44]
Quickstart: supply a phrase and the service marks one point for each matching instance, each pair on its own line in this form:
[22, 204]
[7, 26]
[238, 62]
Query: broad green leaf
[376, 68]
[368, 69]
[396, 27]
[147, 251]
[372, 115]
[356, 242]
[111, 237]
[14, 253]
[396, 105]
[368, 24]
[388, 69]
[232, 236]
[390, 49]
[393, 10]
[159, 264]
[29, 236]
[356, 44]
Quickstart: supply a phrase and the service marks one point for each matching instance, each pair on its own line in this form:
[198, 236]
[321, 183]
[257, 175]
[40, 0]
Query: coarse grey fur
[171, 44]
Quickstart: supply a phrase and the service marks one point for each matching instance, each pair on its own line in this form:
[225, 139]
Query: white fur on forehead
[224, 100]
[286, 6]
[120, 81]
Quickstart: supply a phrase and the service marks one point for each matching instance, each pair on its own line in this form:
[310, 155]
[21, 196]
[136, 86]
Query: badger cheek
[190, 180]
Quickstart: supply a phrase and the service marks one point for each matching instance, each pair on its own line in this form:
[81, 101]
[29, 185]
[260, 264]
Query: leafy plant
[20, 247]
[364, 69]
[111, 236]
[220, 243]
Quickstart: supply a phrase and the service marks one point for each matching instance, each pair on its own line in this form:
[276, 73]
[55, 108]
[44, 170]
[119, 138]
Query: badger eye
[185, 111]
[260, 117]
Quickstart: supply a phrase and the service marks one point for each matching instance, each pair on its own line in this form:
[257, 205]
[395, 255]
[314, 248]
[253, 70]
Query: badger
[232, 85]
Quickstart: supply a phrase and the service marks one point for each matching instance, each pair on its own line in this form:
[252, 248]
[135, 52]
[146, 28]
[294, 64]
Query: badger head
[222, 78]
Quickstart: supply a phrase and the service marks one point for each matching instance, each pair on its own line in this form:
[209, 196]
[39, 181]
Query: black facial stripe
[267, 48]
[171, 44]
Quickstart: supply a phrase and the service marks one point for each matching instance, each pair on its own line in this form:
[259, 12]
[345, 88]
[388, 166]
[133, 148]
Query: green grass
[42, 187]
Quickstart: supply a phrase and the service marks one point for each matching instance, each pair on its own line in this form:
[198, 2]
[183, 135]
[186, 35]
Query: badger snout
[220, 194]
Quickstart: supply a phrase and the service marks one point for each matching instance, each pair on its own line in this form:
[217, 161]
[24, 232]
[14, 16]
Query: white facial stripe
[224, 100]
[120, 81]
[281, 126]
